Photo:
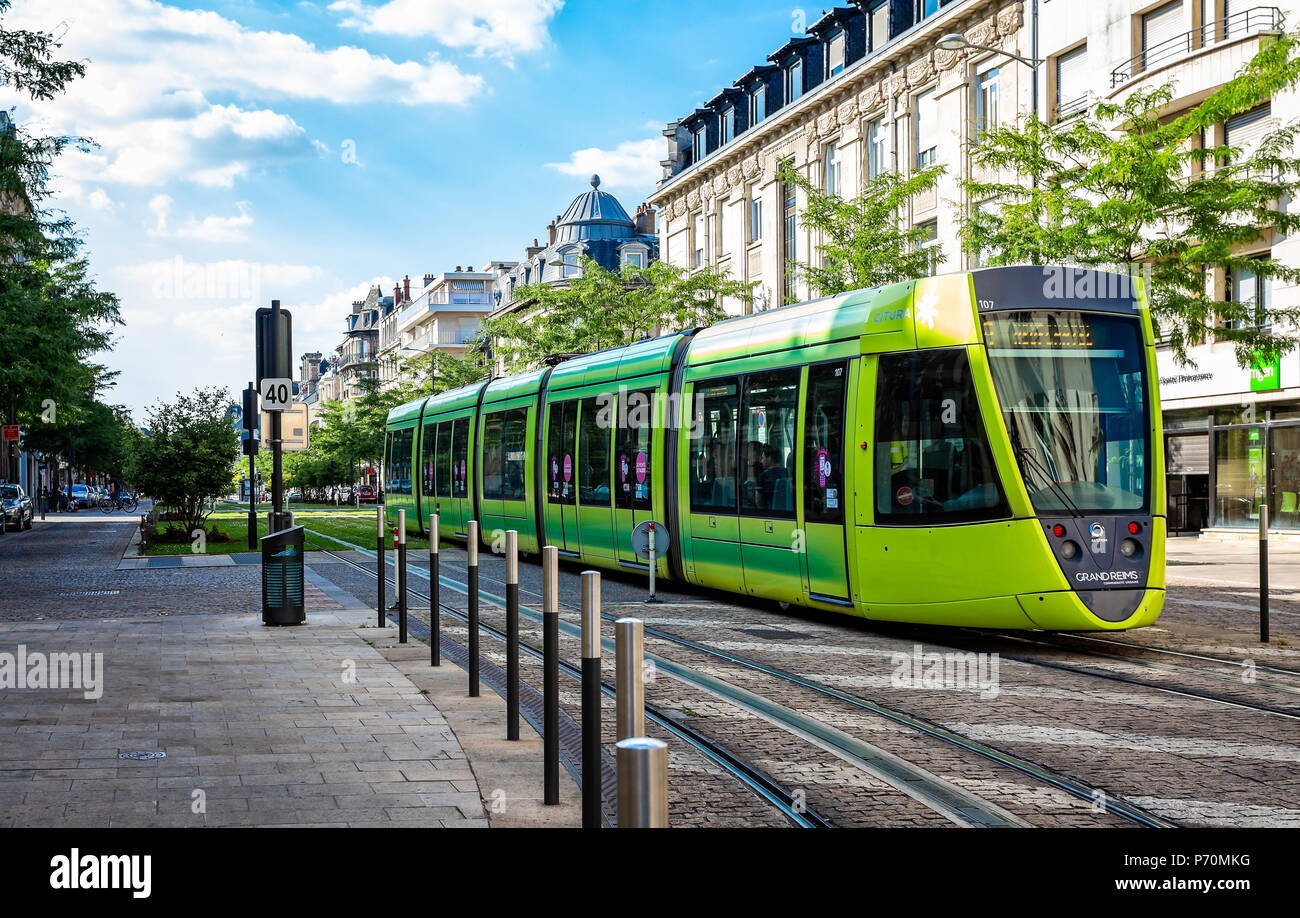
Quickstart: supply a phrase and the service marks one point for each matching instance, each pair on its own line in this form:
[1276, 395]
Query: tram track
[812, 729]
[798, 813]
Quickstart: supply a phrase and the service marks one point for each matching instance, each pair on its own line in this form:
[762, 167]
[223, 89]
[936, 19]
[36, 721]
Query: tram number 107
[277, 394]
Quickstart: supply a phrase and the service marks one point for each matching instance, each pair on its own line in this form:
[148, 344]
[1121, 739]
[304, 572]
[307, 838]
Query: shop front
[1232, 444]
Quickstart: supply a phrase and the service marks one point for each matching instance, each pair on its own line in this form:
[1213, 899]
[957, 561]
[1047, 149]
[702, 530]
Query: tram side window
[399, 461]
[514, 442]
[633, 476]
[460, 458]
[428, 460]
[932, 457]
[769, 416]
[494, 455]
[824, 441]
[593, 455]
[713, 447]
[560, 436]
[442, 459]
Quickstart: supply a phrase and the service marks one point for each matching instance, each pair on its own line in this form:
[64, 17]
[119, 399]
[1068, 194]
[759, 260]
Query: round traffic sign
[641, 539]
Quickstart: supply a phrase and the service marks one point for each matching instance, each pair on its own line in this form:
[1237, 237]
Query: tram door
[769, 433]
[428, 473]
[592, 474]
[633, 469]
[451, 476]
[561, 456]
[823, 479]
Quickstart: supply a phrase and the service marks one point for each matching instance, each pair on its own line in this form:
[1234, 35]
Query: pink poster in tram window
[623, 469]
[823, 467]
[642, 467]
[568, 468]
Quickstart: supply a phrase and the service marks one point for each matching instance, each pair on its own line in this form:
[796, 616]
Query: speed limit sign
[277, 394]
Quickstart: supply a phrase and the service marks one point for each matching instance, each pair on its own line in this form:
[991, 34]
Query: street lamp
[955, 41]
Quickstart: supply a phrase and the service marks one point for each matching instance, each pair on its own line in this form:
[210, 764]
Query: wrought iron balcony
[1257, 20]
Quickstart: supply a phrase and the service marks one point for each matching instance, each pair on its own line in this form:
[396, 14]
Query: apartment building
[868, 88]
[444, 315]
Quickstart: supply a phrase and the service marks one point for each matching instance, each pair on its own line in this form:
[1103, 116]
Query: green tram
[977, 449]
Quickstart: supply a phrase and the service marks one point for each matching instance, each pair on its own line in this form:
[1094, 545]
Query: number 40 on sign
[277, 394]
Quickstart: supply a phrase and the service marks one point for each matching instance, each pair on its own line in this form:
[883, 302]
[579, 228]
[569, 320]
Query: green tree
[862, 240]
[434, 372]
[1128, 187]
[600, 309]
[187, 458]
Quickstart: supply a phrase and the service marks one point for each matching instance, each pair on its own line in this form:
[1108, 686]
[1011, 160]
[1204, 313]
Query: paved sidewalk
[259, 726]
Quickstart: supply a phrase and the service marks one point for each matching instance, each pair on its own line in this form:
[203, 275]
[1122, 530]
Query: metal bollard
[642, 783]
[1263, 574]
[551, 675]
[629, 659]
[401, 576]
[472, 570]
[379, 549]
[591, 771]
[512, 634]
[435, 607]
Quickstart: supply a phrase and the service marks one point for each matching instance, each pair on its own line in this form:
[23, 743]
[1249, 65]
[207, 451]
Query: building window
[986, 101]
[1159, 29]
[876, 162]
[755, 217]
[700, 235]
[758, 104]
[1072, 83]
[835, 53]
[927, 130]
[929, 7]
[1249, 289]
[790, 240]
[1246, 130]
[794, 80]
[831, 165]
[728, 124]
[930, 243]
[701, 142]
[633, 260]
[879, 26]
[570, 262]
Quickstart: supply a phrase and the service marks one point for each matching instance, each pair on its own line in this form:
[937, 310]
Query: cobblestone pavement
[65, 568]
[259, 726]
[1192, 760]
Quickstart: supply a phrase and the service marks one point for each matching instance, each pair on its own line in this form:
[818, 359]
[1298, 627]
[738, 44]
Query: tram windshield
[1073, 392]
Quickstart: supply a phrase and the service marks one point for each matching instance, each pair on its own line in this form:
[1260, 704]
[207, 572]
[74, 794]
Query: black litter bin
[282, 578]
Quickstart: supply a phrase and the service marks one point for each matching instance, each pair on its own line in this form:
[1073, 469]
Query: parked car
[16, 510]
[366, 494]
[81, 494]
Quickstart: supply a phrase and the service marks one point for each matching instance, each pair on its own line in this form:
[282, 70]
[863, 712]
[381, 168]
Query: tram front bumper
[1066, 610]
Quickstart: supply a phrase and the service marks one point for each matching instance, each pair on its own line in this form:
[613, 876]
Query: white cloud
[160, 205]
[212, 228]
[633, 164]
[153, 70]
[99, 200]
[496, 27]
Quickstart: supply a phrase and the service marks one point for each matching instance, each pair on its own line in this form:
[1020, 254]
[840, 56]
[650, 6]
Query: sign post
[274, 358]
[650, 540]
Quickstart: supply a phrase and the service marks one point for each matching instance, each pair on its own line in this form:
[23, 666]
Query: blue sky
[251, 150]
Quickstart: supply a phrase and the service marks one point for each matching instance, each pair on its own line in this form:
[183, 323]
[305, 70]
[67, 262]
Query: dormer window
[728, 124]
[835, 43]
[701, 142]
[570, 260]
[758, 103]
[794, 79]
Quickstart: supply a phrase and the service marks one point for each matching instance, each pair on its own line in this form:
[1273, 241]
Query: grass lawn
[359, 529]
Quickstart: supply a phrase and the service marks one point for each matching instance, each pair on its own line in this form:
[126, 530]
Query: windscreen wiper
[1026, 455]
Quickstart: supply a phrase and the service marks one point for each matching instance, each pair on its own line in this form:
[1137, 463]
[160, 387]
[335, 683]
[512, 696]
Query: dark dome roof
[594, 214]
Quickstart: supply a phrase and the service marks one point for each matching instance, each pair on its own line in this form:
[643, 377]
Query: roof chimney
[429, 279]
[645, 220]
[550, 232]
[406, 288]
[397, 295]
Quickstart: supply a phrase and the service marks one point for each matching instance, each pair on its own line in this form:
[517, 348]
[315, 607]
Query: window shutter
[1071, 78]
[1247, 129]
[1162, 24]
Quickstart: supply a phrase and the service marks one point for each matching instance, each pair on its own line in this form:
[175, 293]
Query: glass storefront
[1254, 464]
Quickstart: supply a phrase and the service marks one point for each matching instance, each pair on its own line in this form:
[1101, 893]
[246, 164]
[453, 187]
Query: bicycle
[127, 503]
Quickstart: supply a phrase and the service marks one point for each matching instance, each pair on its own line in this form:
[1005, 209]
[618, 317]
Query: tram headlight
[1128, 548]
[1069, 550]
